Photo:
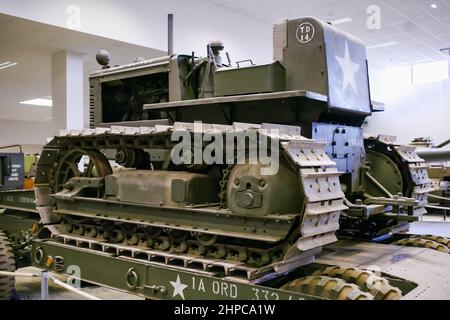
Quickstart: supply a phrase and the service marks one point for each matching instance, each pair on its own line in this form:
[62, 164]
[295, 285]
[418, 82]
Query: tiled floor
[432, 224]
[30, 289]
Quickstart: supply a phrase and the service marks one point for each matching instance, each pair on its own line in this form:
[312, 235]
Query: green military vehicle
[248, 203]
[438, 160]
[18, 215]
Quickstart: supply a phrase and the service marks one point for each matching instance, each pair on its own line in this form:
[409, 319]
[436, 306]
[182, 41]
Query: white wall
[412, 110]
[31, 134]
[377, 77]
[144, 22]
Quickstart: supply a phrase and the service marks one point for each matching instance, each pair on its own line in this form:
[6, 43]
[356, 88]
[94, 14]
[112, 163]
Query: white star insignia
[349, 70]
[178, 287]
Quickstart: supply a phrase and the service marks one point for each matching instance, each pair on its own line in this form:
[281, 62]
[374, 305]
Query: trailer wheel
[7, 263]
[366, 280]
[422, 243]
[327, 288]
[441, 240]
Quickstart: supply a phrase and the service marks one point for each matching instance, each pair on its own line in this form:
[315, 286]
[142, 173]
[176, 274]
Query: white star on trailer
[349, 70]
[178, 287]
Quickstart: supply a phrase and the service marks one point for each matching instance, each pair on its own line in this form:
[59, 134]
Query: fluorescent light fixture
[382, 45]
[340, 21]
[7, 64]
[433, 5]
[42, 102]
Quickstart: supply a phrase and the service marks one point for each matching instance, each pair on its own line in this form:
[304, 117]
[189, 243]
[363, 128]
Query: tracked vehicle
[437, 158]
[125, 195]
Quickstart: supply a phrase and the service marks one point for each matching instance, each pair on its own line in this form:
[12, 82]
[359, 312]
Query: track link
[304, 232]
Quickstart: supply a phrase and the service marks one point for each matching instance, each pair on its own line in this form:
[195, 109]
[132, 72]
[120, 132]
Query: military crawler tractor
[174, 208]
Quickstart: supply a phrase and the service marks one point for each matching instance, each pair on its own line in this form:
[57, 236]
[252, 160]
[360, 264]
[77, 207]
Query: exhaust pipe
[170, 34]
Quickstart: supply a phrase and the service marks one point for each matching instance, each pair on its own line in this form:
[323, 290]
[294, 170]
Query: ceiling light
[7, 64]
[340, 21]
[382, 45]
[43, 102]
[433, 5]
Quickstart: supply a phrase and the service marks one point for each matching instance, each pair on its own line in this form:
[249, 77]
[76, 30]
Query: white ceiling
[32, 44]
[419, 30]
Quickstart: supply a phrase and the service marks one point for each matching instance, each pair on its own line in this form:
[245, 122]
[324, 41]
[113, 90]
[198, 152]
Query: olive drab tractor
[118, 191]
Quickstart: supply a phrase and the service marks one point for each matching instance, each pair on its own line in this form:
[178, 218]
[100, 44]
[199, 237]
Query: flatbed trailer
[17, 211]
[417, 272]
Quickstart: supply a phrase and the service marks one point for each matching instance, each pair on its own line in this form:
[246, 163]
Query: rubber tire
[422, 243]
[7, 263]
[367, 281]
[439, 239]
[327, 288]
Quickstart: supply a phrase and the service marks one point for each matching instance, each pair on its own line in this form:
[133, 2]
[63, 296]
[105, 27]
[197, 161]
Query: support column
[67, 91]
